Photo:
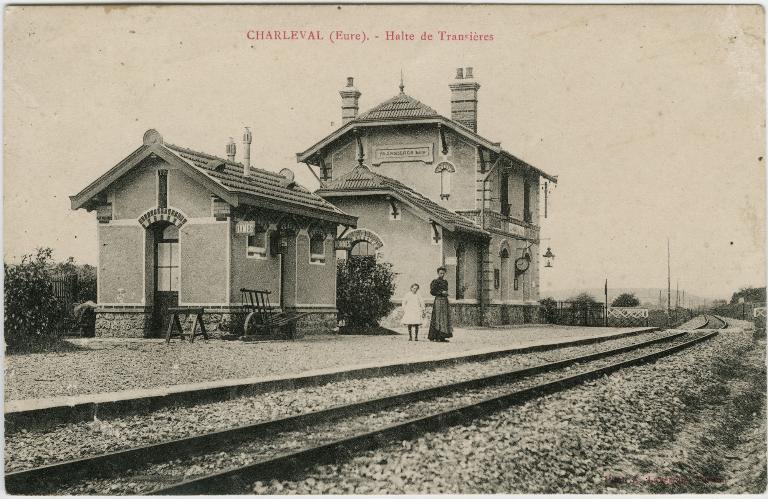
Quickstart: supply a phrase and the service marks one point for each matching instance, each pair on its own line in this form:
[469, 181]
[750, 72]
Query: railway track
[714, 322]
[282, 446]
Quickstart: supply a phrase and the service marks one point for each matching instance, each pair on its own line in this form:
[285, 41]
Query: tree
[364, 289]
[626, 300]
[750, 295]
[584, 300]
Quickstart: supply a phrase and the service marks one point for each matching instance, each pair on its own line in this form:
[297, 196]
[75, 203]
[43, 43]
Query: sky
[652, 117]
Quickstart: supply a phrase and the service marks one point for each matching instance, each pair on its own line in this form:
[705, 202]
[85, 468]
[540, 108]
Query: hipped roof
[404, 109]
[361, 181]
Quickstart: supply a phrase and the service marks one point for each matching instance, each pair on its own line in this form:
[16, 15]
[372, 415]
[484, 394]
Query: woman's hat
[442, 268]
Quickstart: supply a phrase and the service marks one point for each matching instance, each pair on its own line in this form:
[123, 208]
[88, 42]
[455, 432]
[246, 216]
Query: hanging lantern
[548, 257]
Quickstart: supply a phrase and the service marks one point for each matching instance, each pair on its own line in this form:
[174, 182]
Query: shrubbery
[549, 310]
[32, 311]
[364, 289]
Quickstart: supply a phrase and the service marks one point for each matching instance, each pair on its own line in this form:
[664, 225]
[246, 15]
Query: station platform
[103, 371]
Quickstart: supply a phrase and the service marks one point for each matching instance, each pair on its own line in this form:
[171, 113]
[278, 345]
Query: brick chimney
[231, 149]
[247, 152]
[349, 97]
[464, 98]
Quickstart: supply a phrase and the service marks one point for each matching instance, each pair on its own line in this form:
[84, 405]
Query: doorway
[166, 273]
[460, 264]
[276, 251]
[504, 271]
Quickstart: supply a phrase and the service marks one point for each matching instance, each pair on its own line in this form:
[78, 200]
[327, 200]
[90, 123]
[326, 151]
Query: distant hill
[649, 297]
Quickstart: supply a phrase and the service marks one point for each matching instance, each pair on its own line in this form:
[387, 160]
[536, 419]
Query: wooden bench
[175, 323]
[263, 320]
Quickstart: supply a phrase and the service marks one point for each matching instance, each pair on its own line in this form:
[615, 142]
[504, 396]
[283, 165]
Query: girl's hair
[415, 284]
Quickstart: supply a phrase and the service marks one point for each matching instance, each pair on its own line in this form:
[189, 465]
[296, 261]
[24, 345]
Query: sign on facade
[399, 154]
[342, 244]
[245, 227]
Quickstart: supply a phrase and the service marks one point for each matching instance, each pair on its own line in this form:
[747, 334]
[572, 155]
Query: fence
[627, 316]
[593, 315]
[577, 314]
[741, 311]
[65, 289]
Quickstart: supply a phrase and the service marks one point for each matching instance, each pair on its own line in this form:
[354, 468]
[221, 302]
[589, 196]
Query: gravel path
[145, 479]
[579, 441]
[108, 365]
[26, 449]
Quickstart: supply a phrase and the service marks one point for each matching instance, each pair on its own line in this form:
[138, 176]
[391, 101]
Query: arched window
[504, 273]
[445, 169]
[363, 248]
[256, 243]
[317, 246]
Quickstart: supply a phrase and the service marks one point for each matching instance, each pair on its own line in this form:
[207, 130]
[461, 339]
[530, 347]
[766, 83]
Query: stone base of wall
[471, 314]
[316, 323]
[137, 323]
[124, 324]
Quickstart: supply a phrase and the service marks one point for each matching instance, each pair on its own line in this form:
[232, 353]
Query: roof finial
[402, 85]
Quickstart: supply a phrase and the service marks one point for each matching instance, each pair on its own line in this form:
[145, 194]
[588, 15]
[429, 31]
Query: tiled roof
[262, 183]
[361, 179]
[399, 106]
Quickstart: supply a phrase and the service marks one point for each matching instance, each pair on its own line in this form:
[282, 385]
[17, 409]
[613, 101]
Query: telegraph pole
[669, 283]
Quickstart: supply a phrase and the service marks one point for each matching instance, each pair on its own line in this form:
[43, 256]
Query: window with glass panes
[167, 263]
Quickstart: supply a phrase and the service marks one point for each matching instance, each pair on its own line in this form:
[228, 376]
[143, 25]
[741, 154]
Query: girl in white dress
[413, 311]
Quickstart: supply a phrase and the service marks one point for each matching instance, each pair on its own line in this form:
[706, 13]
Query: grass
[735, 397]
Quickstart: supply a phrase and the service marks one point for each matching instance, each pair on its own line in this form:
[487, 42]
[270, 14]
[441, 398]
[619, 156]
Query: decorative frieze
[104, 213]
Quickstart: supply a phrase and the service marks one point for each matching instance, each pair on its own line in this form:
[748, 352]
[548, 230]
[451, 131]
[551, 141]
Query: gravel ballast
[111, 365]
[602, 437]
[27, 449]
[146, 479]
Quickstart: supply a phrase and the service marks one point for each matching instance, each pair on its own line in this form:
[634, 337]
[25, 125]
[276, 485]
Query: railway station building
[429, 191]
[178, 227]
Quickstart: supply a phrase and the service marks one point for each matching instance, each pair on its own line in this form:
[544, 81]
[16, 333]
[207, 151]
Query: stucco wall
[121, 260]
[188, 196]
[316, 283]
[204, 260]
[136, 193]
[418, 175]
[407, 242]
[254, 273]
[526, 291]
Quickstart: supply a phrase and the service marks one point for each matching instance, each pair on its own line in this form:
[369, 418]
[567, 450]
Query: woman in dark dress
[440, 326]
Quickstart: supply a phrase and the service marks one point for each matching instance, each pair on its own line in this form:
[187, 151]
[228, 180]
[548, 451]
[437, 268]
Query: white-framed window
[445, 169]
[256, 244]
[317, 247]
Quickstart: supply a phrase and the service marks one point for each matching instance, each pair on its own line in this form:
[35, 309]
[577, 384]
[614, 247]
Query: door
[504, 271]
[460, 264]
[167, 269]
[276, 251]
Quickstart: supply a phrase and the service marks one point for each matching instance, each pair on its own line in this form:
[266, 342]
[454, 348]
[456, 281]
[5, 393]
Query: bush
[549, 310]
[32, 311]
[364, 289]
[626, 300]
